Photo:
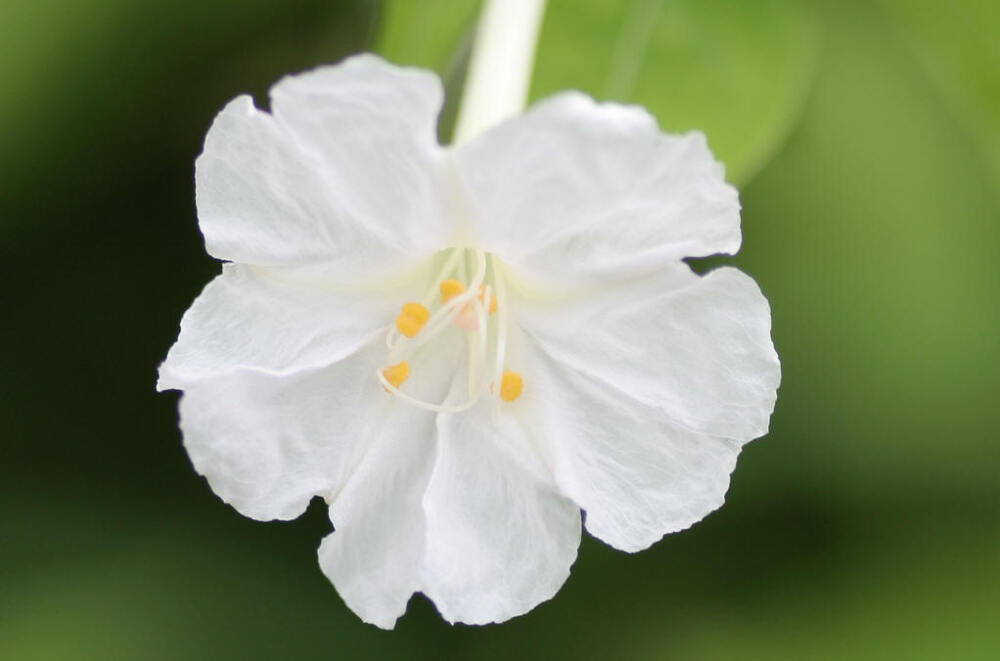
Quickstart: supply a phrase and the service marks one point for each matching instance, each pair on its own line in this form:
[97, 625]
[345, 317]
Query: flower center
[466, 302]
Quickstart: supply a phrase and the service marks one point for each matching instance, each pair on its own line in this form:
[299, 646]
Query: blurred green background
[865, 138]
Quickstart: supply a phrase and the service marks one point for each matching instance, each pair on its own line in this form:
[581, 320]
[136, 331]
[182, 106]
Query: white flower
[608, 378]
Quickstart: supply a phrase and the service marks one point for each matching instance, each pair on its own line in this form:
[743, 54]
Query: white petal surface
[346, 172]
[500, 539]
[375, 555]
[697, 348]
[637, 474]
[574, 189]
[267, 444]
[275, 321]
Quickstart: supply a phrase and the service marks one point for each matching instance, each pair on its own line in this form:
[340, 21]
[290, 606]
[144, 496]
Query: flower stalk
[496, 86]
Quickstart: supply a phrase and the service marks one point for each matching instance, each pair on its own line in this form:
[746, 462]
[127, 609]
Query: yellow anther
[511, 386]
[396, 374]
[493, 299]
[451, 288]
[417, 311]
[412, 319]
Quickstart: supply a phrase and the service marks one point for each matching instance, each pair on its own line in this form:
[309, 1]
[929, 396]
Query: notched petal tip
[633, 539]
[164, 380]
[411, 94]
[241, 107]
[375, 612]
[501, 538]
[758, 307]
[343, 169]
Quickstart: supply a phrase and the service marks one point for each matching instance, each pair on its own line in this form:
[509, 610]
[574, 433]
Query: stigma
[468, 294]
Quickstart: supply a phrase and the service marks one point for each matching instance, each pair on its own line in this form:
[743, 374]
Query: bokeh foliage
[866, 525]
[738, 71]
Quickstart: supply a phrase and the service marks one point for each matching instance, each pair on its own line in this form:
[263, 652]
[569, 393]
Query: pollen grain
[412, 319]
[451, 288]
[511, 386]
[397, 373]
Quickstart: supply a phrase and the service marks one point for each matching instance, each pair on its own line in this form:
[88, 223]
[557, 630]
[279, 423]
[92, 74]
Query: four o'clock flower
[460, 348]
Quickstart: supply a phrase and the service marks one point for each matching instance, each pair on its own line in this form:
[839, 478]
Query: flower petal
[277, 321]
[345, 171]
[576, 189]
[375, 555]
[267, 444]
[698, 348]
[500, 539]
[637, 474]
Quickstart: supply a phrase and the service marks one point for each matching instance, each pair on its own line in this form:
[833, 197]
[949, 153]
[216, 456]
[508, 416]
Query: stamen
[483, 292]
[511, 386]
[446, 314]
[448, 267]
[468, 308]
[480, 329]
[392, 337]
[396, 374]
[412, 319]
[499, 283]
[475, 387]
[450, 289]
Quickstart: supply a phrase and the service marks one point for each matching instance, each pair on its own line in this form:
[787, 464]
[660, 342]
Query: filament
[401, 346]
